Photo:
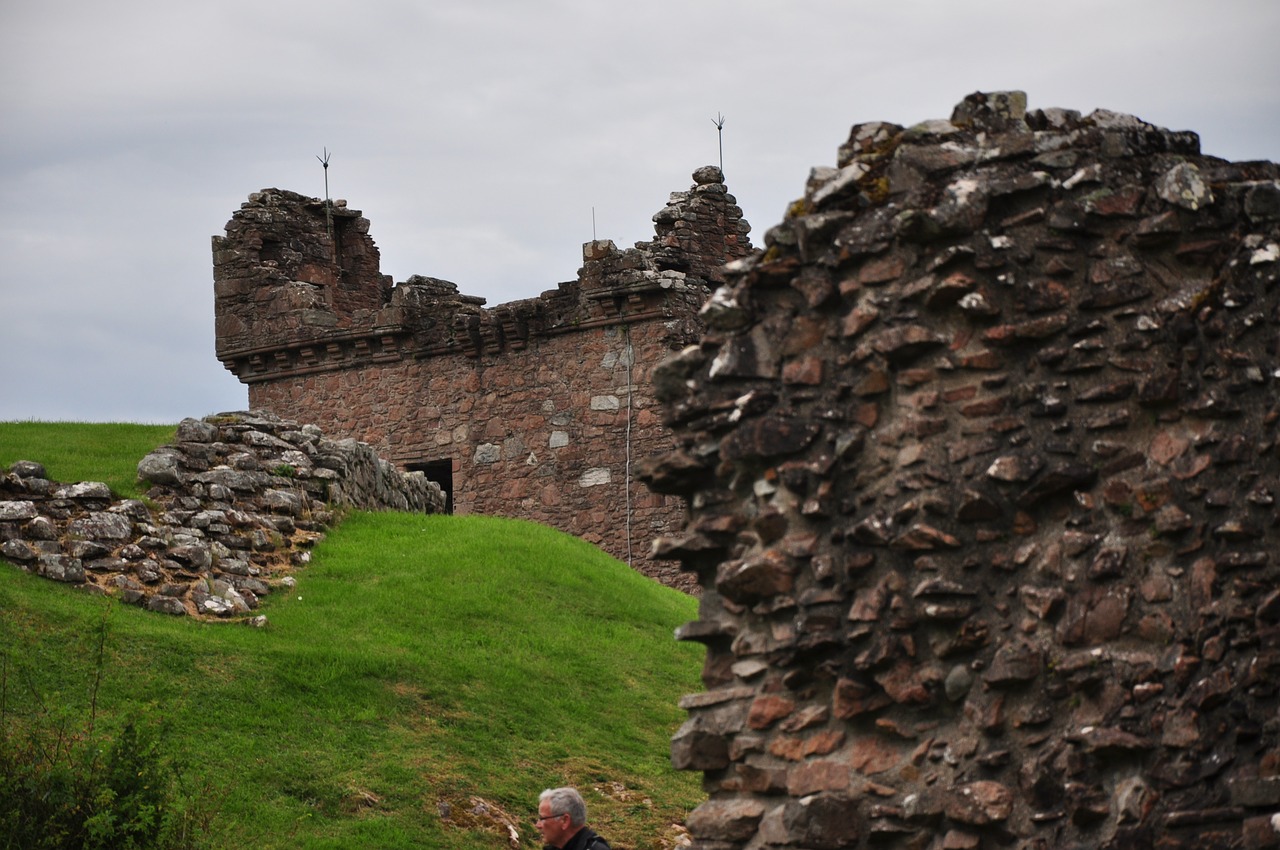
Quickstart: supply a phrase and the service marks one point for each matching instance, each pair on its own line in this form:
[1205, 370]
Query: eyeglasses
[541, 818]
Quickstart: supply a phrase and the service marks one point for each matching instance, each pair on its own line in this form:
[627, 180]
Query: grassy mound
[424, 680]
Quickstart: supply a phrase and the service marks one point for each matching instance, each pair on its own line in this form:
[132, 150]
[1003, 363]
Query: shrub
[65, 785]
[60, 790]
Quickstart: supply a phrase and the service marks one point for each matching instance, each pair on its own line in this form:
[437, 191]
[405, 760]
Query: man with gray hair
[562, 820]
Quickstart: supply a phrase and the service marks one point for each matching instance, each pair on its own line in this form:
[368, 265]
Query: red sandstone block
[767, 710]
[811, 777]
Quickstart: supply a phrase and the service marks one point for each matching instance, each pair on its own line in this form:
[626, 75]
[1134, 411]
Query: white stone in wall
[488, 453]
[1184, 186]
[1268, 254]
[559, 439]
[594, 477]
[17, 511]
[625, 358]
[604, 402]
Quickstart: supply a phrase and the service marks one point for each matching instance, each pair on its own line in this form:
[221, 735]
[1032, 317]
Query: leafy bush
[64, 785]
[60, 790]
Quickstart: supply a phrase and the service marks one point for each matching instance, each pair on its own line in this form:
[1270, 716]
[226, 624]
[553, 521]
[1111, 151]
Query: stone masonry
[982, 456]
[534, 409]
[235, 503]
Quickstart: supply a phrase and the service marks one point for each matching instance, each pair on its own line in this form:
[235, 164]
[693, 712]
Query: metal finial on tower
[328, 205]
[719, 122]
[324, 160]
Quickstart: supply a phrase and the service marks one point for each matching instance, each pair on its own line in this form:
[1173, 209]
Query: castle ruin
[980, 459]
[534, 409]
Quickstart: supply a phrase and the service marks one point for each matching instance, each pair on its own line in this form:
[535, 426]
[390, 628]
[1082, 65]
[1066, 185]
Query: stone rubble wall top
[236, 502]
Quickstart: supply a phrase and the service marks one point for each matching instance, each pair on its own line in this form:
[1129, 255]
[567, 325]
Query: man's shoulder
[589, 840]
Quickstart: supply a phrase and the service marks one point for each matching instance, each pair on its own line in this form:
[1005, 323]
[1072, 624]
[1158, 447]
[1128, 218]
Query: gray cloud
[479, 135]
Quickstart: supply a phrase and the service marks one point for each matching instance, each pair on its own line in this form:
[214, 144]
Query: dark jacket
[584, 839]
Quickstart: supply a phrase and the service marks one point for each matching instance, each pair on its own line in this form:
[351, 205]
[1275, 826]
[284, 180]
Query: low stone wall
[982, 458]
[236, 501]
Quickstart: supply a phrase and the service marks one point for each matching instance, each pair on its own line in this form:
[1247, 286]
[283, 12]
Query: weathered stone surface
[696, 747]
[160, 467]
[1031, 441]
[1184, 186]
[979, 803]
[768, 574]
[1014, 663]
[824, 821]
[870, 755]
[165, 605]
[732, 820]
[101, 525]
[769, 709]
[770, 436]
[60, 568]
[17, 510]
[83, 491]
[1094, 615]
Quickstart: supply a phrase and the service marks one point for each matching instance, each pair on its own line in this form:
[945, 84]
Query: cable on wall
[631, 361]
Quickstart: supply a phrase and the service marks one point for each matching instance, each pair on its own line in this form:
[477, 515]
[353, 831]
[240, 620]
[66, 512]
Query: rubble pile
[235, 502]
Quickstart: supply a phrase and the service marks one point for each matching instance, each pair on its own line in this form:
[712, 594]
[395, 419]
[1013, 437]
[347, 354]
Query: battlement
[298, 288]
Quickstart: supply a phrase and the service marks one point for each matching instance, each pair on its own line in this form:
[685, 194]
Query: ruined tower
[534, 409]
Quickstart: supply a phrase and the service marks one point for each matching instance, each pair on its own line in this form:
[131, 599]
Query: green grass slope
[424, 680]
[82, 451]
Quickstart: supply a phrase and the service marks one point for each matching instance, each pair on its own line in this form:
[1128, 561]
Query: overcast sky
[478, 136]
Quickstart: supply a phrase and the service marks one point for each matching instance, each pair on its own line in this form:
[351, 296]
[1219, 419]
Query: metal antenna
[328, 205]
[593, 224]
[719, 122]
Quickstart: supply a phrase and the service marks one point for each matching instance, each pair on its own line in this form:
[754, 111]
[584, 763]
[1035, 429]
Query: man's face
[554, 828]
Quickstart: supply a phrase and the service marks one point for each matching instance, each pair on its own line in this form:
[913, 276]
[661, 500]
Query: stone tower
[534, 409]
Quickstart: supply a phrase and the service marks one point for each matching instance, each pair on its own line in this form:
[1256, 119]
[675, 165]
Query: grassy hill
[424, 680]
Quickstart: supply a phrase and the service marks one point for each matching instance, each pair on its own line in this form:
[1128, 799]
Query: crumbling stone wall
[236, 501]
[534, 409]
[982, 457]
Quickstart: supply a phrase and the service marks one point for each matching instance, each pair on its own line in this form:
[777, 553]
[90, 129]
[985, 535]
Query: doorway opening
[441, 472]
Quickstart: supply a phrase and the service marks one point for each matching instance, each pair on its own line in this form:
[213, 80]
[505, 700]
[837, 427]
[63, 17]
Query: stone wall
[235, 502]
[533, 409]
[982, 459]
